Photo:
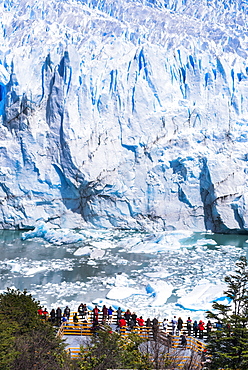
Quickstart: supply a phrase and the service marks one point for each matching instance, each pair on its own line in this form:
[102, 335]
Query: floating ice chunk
[54, 236]
[97, 253]
[92, 263]
[161, 291]
[206, 241]
[123, 292]
[157, 274]
[102, 244]
[83, 251]
[150, 290]
[15, 267]
[202, 296]
[110, 280]
[34, 270]
[157, 243]
[107, 302]
[123, 280]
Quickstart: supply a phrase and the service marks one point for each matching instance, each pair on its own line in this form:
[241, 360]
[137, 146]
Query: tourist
[84, 312]
[219, 325]
[67, 311]
[95, 313]
[174, 325]
[201, 329]
[127, 316]
[58, 316]
[148, 322]
[140, 321]
[133, 318]
[195, 328]
[189, 326]
[52, 315]
[155, 327]
[179, 325]
[64, 318]
[209, 328]
[118, 315]
[75, 319]
[45, 314]
[110, 315]
[80, 310]
[122, 324]
[183, 340]
[104, 314]
[165, 325]
[95, 324]
[40, 311]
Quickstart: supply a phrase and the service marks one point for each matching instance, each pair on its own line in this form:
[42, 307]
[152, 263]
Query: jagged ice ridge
[129, 114]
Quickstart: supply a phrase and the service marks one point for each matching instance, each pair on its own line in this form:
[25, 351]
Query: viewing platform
[78, 335]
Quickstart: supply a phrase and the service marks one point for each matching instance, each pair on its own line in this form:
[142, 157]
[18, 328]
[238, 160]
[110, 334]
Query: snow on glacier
[128, 114]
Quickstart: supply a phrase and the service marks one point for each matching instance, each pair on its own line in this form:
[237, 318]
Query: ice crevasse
[128, 114]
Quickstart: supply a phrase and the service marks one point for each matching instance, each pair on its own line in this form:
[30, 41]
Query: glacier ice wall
[129, 114]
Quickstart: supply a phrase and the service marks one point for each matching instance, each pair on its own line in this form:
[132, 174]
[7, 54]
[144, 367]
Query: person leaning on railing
[75, 319]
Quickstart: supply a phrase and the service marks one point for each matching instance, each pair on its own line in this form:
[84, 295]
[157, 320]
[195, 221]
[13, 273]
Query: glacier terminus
[124, 114]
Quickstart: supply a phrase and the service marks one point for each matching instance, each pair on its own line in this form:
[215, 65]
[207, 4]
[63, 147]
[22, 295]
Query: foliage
[8, 352]
[228, 346]
[26, 341]
[110, 350]
[19, 307]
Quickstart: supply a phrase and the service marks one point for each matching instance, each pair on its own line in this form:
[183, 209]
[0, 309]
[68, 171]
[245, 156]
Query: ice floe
[27, 267]
[123, 292]
[161, 291]
[54, 236]
[206, 242]
[83, 251]
[97, 254]
[159, 243]
[202, 296]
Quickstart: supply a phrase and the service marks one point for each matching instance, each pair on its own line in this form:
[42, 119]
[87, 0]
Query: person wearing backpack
[195, 328]
[189, 326]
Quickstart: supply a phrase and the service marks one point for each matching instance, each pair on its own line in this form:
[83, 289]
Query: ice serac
[128, 114]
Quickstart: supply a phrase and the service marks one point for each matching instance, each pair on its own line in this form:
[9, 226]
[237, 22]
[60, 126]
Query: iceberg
[202, 296]
[53, 236]
[161, 291]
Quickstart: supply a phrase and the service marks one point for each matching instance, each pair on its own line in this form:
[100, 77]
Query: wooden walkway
[193, 350]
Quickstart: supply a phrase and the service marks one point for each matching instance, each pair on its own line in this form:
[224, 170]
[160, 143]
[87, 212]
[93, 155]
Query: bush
[26, 341]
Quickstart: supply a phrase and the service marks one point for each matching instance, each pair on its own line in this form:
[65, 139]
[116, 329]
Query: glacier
[128, 114]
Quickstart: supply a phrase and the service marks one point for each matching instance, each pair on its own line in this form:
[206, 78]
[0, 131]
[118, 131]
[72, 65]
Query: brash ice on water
[158, 274]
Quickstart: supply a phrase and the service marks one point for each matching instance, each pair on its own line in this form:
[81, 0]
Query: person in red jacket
[40, 311]
[95, 313]
[122, 322]
[122, 325]
[140, 321]
[201, 327]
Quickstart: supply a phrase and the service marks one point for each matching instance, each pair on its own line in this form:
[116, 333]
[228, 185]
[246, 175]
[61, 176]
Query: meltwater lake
[158, 274]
